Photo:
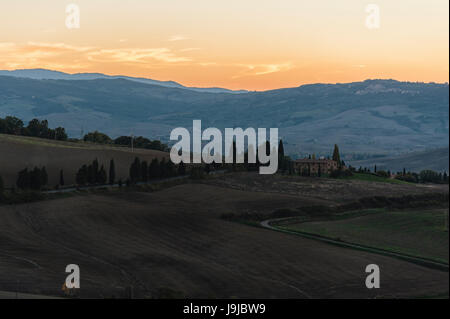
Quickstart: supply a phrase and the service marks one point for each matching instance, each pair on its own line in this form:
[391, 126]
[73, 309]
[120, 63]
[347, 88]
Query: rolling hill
[382, 117]
[43, 74]
[436, 159]
[18, 152]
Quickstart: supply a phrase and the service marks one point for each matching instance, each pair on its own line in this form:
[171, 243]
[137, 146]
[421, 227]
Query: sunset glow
[255, 45]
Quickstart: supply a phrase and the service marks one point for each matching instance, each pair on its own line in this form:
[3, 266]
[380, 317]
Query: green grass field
[417, 233]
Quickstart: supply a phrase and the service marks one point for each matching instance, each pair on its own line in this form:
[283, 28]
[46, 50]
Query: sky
[236, 44]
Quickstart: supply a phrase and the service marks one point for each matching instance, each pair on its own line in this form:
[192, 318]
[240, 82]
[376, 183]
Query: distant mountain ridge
[435, 159]
[44, 74]
[374, 117]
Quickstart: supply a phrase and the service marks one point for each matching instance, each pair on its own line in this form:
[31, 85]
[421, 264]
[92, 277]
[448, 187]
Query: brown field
[175, 240]
[323, 190]
[18, 152]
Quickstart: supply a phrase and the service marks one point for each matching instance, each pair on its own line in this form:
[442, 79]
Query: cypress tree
[154, 168]
[112, 172]
[281, 149]
[162, 168]
[23, 179]
[102, 178]
[43, 177]
[91, 176]
[82, 175]
[95, 170]
[336, 155]
[144, 171]
[281, 159]
[135, 171]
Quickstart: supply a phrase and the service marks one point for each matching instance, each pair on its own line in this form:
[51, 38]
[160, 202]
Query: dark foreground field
[173, 243]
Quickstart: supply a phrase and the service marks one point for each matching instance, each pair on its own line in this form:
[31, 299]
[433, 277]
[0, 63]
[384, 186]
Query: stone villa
[308, 166]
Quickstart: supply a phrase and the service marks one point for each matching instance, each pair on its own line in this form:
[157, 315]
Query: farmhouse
[308, 166]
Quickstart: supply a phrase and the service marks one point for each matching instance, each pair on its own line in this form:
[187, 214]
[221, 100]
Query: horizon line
[183, 86]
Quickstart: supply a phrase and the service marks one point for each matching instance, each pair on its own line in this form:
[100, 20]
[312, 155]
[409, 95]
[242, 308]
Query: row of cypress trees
[32, 179]
[94, 174]
[141, 171]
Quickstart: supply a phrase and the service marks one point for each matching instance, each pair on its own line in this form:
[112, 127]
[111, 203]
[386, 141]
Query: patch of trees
[35, 128]
[136, 142]
[97, 137]
[32, 179]
[91, 174]
[141, 171]
[425, 176]
[141, 142]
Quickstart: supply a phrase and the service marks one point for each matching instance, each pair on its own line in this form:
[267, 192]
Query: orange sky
[237, 44]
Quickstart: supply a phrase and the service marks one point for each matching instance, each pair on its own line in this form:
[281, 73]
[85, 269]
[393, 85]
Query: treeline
[32, 179]
[93, 174]
[136, 142]
[425, 176]
[139, 171]
[35, 128]
[142, 171]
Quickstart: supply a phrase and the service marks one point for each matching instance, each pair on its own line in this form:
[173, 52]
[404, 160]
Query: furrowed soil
[174, 243]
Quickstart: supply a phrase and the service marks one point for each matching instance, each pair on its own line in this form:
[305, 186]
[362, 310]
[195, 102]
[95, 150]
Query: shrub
[341, 173]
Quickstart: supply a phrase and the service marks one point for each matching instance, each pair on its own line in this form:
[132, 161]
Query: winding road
[417, 260]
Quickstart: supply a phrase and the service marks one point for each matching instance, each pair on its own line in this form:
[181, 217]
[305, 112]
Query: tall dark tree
[43, 177]
[91, 176]
[144, 171]
[336, 155]
[163, 168]
[154, 169]
[35, 178]
[95, 171]
[112, 172]
[281, 158]
[102, 178]
[135, 171]
[281, 149]
[23, 179]
[82, 175]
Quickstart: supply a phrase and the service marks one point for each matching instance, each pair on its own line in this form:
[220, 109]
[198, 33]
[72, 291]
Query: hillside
[43, 74]
[374, 116]
[436, 159]
[18, 152]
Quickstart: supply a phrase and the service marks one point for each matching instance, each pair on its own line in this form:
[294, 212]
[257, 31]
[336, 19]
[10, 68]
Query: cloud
[189, 49]
[177, 38]
[207, 63]
[262, 69]
[136, 55]
[63, 56]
